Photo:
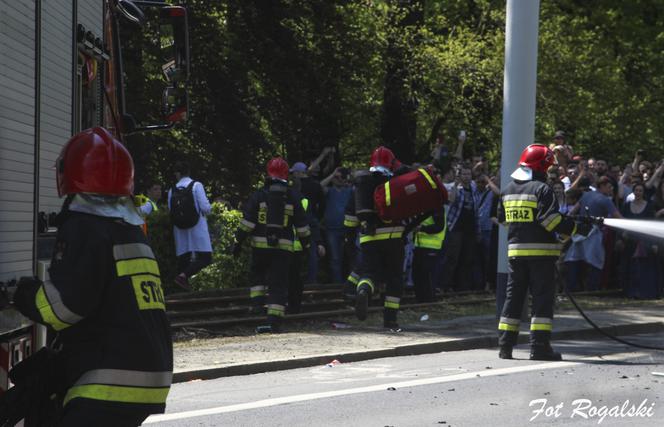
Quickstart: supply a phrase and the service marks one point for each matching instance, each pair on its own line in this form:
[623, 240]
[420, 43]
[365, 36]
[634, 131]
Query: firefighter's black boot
[257, 310]
[544, 352]
[349, 292]
[505, 352]
[362, 302]
[390, 319]
[273, 326]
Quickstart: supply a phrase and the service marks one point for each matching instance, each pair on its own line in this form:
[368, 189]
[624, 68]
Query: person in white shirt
[193, 246]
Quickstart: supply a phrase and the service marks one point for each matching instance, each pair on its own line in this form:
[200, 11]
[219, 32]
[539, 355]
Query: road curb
[470, 343]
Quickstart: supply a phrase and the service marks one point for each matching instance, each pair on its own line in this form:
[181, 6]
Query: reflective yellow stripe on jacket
[384, 233]
[52, 310]
[119, 385]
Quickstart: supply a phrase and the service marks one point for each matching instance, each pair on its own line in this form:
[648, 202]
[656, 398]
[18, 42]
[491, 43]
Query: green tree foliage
[225, 271]
[290, 77]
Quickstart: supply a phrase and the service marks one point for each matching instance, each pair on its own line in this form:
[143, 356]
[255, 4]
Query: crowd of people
[583, 185]
[465, 255]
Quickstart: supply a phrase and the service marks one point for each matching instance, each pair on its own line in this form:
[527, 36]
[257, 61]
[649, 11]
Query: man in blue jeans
[337, 193]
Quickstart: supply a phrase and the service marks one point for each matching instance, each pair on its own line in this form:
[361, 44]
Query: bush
[225, 271]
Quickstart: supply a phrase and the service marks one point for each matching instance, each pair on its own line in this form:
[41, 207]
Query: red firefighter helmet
[277, 168]
[93, 161]
[383, 158]
[537, 157]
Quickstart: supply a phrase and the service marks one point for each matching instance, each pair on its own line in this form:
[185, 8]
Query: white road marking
[382, 387]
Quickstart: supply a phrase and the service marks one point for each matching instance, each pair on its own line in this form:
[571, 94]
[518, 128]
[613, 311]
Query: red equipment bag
[410, 194]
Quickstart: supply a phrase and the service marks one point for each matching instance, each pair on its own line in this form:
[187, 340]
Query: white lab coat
[197, 238]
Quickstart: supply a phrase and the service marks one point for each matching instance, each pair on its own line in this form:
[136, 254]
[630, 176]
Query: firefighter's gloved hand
[26, 289]
[272, 235]
[305, 242]
[368, 228]
[583, 228]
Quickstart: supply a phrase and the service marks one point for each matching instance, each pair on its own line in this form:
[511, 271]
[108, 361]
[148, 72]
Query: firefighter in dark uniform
[381, 243]
[530, 210]
[104, 298]
[272, 216]
[428, 241]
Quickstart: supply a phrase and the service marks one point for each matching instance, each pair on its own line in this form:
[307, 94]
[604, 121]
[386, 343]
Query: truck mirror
[175, 104]
[129, 10]
[174, 41]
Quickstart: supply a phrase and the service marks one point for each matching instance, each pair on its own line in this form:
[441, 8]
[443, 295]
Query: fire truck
[62, 72]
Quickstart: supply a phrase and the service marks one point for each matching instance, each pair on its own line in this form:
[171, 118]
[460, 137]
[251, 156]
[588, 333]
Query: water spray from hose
[649, 227]
[652, 228]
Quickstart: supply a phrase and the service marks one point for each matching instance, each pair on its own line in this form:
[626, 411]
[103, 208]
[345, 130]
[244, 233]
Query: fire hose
[650, 228]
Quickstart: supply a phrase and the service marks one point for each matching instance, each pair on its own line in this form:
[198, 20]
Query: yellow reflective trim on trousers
[46, 311]
[553, 224]
[385, 236]
[428, 177]
[366, 282]
[254, 294]
[541, 327]
[533, 252]
[264, 245]
[275, 312]
[130, 267]
[114, 393]
[388, 198]
[352, 279]
[393, 305]
[508, 327]
[519, 204]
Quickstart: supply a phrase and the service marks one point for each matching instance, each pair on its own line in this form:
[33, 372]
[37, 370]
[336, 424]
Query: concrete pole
[519, 87]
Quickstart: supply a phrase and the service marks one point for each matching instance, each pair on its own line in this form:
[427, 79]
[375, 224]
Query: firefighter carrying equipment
[105, 300]
[94, 162]
[408, 195]
[382, 247]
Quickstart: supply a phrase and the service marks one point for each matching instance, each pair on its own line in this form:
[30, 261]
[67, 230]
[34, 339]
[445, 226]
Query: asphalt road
[605, 382]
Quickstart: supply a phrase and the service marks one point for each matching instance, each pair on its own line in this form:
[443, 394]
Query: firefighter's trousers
[536, 274]
[424, 264]
[87, 412]
[382, 261]
[269, 275]
[296, 282]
